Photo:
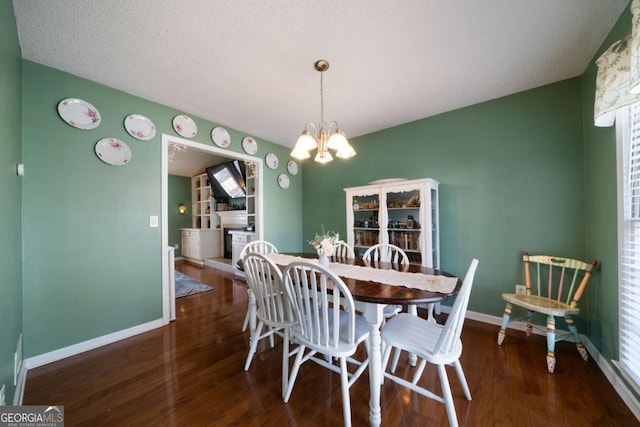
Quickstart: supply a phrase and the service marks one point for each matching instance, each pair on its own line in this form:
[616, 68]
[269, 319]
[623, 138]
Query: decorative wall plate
[79, 113]
[272, 161]
[185, 126]
[113, 152]
[140, 127]
[220, 137]
[249, 145]
[292, 167]
[283, 181]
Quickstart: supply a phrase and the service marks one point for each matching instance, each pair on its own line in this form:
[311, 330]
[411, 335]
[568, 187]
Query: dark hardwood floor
[190, 373]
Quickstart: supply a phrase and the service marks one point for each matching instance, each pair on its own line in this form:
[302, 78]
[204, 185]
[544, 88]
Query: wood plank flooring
[190, 373]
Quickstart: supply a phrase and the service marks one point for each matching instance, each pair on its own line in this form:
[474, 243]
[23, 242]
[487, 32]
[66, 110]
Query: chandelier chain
[321, 98]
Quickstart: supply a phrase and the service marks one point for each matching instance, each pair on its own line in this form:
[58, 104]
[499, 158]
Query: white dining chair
[343, 251]
[273, 308]
[258, 246]
[433, 343]
[327, 325]
[386, 252]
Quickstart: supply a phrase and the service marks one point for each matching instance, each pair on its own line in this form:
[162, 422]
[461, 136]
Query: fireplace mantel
[232, 218]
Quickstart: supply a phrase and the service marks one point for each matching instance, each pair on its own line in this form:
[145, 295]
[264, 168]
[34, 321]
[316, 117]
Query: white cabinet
[198, 244]
[239, 240]
[403, 213]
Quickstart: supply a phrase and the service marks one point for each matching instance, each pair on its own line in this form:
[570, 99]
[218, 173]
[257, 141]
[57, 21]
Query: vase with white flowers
[325, 244]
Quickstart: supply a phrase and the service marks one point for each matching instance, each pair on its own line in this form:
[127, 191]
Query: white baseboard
[72, 350]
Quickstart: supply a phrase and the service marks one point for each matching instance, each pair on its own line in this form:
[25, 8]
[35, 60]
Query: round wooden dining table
[371, 297]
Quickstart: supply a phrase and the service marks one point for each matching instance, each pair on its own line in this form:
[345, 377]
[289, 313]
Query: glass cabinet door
[366, 225]
[403, 222]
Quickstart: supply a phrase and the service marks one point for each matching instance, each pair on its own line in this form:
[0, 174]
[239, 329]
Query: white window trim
[629, 371]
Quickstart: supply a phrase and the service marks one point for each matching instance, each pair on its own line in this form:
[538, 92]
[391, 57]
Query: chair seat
[343, 348]
[541, 304]
[417, 335]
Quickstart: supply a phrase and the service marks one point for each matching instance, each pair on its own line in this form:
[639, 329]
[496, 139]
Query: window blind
[629, 243]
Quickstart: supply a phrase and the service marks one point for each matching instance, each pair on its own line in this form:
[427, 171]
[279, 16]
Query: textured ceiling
[248, 64]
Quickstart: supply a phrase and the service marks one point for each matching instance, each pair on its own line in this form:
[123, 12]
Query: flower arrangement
[325, 242]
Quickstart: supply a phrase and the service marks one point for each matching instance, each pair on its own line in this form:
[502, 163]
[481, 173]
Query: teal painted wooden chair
[556, 298]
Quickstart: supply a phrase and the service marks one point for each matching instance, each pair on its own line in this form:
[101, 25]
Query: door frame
[168, 303]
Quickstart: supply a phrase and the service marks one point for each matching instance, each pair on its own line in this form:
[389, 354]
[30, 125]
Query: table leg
[373, 314]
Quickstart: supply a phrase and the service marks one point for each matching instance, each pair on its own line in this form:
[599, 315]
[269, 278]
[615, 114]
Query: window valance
[618, 79]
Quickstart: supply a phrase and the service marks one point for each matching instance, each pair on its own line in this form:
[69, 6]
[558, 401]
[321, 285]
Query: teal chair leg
[505, 322]
[551, 343]
[576, 337]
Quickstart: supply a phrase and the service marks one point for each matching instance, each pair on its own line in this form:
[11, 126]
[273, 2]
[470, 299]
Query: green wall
[10, 194]
[92, 265]
[511, 179]
[179, 191]
[601, 209]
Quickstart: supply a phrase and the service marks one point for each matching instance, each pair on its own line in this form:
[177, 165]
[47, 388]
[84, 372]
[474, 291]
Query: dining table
[374, 285]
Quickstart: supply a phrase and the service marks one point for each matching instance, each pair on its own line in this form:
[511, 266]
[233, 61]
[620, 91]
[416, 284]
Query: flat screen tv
[227, 180]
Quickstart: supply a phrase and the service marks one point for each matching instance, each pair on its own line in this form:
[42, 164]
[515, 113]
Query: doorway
[202, 151]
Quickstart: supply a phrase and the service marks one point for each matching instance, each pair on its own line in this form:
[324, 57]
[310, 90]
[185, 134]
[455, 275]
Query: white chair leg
[294, 373]
[271, 340]
[446, 395]
[419, 371]
[344, 383]
[246, 321]
[385, 359]
[285, 361]
[396, 358]
[254, 345]
[463, 379]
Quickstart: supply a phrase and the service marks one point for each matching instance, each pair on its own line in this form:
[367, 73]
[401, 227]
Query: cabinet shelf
[411, 202]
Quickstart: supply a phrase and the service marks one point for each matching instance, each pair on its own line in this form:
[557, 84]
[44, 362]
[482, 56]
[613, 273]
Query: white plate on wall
[140, 127]
[220, 137]
[185, 126]
[79, 113]
[283, 181]
[113, 152]
[292, 167]
[271, 160]
[249, 145]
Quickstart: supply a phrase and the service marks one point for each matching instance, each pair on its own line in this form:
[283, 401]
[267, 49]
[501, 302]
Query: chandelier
[322, 136]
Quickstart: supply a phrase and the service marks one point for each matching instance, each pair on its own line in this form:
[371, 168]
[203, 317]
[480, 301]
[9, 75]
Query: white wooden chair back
[265, 281]
[259, 246]
[386, 252]
[317, 295]
[453, 327]
[343, 251]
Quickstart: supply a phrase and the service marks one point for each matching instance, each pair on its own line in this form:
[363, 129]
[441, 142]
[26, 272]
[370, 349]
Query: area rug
[186, 285]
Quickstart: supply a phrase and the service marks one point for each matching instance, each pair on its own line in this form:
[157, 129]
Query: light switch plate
[153, 221]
